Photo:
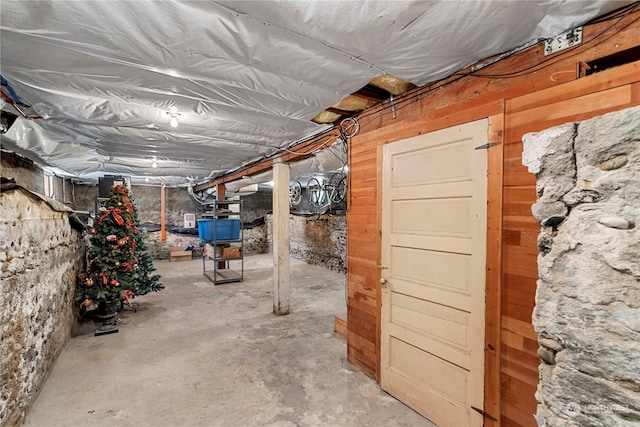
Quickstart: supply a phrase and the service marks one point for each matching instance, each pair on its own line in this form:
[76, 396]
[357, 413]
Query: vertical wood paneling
[525, 103]
[495, 160]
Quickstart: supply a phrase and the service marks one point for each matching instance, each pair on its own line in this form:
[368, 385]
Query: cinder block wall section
[587, 313]
[40, 255]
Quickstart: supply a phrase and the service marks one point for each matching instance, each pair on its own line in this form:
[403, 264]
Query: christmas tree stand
[107, 314]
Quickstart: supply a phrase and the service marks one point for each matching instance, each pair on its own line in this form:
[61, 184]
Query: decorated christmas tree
[118, 266]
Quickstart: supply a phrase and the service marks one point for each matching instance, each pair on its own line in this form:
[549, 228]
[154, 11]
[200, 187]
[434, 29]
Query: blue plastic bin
[219, 229]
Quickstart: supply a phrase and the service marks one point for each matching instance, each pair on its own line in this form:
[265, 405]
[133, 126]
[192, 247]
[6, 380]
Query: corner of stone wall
[587, 313]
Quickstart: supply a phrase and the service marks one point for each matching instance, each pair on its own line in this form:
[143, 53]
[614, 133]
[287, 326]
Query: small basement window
[604, 63]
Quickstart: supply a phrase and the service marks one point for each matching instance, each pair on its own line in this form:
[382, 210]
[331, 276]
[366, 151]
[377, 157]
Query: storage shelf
[215, 267]
[223, 276]
[226, 259]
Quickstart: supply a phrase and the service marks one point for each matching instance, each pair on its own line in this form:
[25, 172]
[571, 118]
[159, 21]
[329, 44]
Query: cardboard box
[231, 252]
[177, 254]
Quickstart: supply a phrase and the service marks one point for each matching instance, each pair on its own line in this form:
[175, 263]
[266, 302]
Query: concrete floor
[202, 355]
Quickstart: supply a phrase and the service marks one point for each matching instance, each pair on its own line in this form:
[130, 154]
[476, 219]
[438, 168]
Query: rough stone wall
[159, 250]
[319, 241]
[147, 199]
[257, 205]
[254, 240]
[40, 255]
[30, 176]
[24, 171]
[178, 202]
[587, 313]
[83, 197]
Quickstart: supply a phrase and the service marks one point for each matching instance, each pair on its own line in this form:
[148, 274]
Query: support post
[221, 196]
[281, 298]
[163, 219]
[221, 192]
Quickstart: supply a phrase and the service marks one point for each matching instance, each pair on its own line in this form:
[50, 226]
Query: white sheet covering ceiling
[245, 77]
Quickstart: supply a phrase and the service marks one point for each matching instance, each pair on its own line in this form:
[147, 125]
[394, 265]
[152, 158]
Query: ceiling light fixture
[174, 117]
[154, 165]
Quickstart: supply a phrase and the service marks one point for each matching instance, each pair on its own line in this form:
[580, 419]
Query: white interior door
[434, 201]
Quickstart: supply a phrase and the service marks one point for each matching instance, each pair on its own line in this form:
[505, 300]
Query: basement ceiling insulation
[96, 83]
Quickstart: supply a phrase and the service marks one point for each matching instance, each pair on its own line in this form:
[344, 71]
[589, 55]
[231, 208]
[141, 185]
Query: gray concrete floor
[202, 355]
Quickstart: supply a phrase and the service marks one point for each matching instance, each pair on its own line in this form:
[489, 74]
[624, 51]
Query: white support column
[281, 298]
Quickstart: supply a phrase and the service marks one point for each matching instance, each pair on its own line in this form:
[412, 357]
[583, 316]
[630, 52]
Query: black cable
[609, 15]
[553, 59]
[406, 101]
[380, 112]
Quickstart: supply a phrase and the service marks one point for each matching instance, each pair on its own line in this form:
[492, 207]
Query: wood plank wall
[549, 94]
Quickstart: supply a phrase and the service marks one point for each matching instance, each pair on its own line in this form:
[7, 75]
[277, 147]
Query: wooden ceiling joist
[372, 93]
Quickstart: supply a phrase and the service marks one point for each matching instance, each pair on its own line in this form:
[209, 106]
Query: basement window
[604, 63]
[48, 186]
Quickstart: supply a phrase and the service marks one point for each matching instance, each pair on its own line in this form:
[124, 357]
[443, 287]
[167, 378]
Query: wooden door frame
[493, 268]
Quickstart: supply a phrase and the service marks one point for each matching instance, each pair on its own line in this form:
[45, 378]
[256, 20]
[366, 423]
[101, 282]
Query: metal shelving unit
[220, 262]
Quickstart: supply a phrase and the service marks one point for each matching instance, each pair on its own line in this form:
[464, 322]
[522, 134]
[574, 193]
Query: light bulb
[173, 122]
[146, 179]
[154, 165]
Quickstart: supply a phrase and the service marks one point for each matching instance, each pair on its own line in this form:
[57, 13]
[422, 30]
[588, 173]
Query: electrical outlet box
[563, 41]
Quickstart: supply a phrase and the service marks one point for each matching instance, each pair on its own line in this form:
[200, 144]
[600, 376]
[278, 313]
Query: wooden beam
[221, 192]
[163, 219]
[221, 195]
[339, 111]
[281, 297]
[340, 326]
[372, 93]
[298, 152]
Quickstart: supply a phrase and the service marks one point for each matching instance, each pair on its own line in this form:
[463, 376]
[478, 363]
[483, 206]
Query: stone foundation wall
[40, 255]
[30, 176]
[160, 250]
[587, 313]
[24, 171]
[255, 240]
[257, 205]
[147, 200]
[318, 241]
[178, 202]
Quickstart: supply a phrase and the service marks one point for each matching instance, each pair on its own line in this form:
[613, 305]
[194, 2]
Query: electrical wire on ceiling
[303, 144]
[554, 59]
[346, 130]
[414, 95]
